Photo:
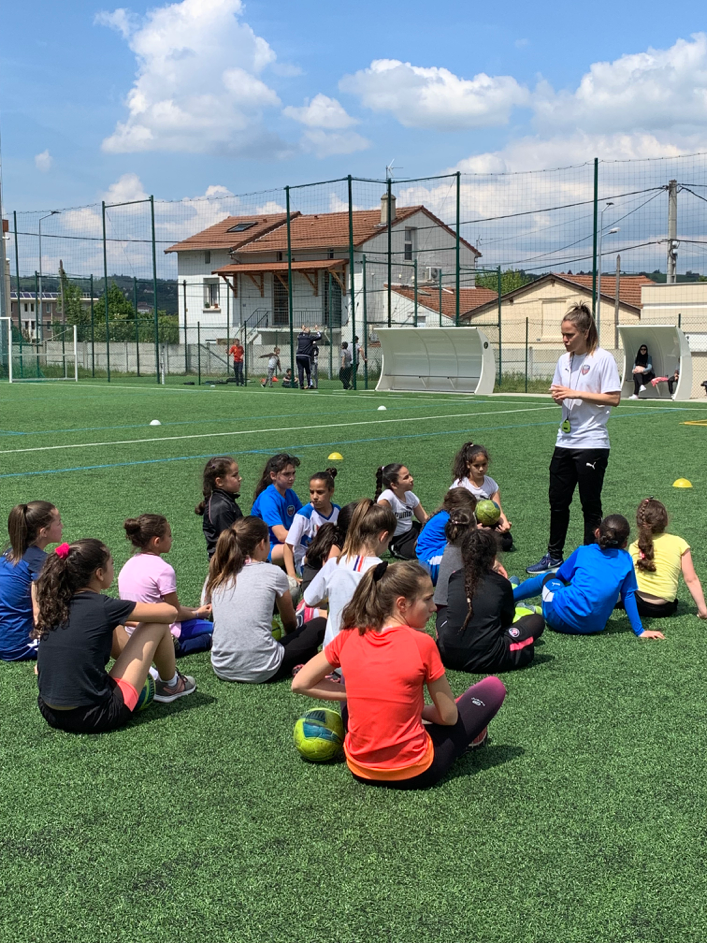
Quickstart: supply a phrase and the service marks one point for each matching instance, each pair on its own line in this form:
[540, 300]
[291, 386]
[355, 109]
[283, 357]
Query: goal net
[32, 360]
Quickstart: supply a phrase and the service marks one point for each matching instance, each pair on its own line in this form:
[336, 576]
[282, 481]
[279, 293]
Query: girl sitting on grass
[433, 540]
[394, 490]
[388, 659]
[276, 503]
[309, 519]
[221, 486]
[372, 526]
[81, 629]
[659, 559]
[244, 589]
[579, 598]
[469, 471]
[31, 527]
[459, 524]
[327, 544]
[146, 577]
[478, 630]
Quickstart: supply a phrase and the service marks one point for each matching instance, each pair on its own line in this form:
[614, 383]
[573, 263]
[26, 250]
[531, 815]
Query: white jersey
[305, 525]
[590, 373]
[483, 492]
[337, 581]
[402, 509]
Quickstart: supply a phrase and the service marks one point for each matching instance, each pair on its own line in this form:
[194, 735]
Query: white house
[234, 274]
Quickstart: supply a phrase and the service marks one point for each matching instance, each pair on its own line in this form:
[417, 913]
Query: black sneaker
[546, 565]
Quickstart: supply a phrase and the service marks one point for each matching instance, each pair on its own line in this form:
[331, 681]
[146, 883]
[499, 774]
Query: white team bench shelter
[436, 360]
[668, 349]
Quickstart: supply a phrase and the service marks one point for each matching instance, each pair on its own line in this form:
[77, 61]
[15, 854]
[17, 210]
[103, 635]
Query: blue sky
[177, 98]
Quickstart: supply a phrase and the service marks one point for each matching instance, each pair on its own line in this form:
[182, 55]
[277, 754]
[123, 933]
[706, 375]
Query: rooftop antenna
[389, 172]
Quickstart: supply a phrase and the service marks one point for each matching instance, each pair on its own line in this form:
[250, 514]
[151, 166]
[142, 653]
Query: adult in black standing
[586, 385]
[306, 342]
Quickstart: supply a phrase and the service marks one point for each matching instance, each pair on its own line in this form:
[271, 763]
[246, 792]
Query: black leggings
[569, 468]
[518, 649]
[404, 545]
[652, 610]
[477, 706]
[641, 379]
[300, 646]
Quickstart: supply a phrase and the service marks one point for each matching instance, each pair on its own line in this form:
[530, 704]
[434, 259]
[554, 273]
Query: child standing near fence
[146, 577]
[274, 366]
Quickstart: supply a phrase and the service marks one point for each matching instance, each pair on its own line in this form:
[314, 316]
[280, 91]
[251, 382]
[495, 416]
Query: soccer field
[583, 820]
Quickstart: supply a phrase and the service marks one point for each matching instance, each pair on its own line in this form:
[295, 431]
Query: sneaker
[633, 396]
[641, 388]
[297, 669]
[166, 693]
[514, 581]
[480, 740]
[546, 565]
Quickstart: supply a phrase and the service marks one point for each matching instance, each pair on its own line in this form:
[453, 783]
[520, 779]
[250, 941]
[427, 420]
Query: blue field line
[299, 447]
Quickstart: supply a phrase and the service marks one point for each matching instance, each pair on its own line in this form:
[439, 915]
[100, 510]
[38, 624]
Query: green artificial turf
[583, 820]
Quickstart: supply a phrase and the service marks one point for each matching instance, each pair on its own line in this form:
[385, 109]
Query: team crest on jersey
[585, 369]
[290, 510]
[513, 632]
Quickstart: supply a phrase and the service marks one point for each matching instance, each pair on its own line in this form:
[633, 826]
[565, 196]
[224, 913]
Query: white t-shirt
[591, 373]
[482, 492]
[244, 648]
[337, 581]
[402, 509]
[305, 525]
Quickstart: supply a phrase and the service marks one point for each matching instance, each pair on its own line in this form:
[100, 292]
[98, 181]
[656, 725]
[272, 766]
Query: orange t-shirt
[237, 352]
[385, 676]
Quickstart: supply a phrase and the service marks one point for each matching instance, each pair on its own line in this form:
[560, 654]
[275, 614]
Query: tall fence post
[331, 330]
[500, 335]
[458, 273]
[414, 275]
[93, 332]
[365, 323]
[36, 323]
[594, 243]
[186, 336]
[19, 306]
[352, 284]
[137, 327]
[290, 310]
[440, 297]
[198, 349]
[154, 290]
[105, 289]
[390, 252]
[526, 355]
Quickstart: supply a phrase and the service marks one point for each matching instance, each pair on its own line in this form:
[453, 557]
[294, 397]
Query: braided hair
[652, 519]
[479, 550]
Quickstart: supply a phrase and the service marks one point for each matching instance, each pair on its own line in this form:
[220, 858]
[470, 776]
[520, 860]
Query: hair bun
[333, 472]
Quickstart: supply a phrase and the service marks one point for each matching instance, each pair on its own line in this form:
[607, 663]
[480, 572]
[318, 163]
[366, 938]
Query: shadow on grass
[476, 761]
[157, 710]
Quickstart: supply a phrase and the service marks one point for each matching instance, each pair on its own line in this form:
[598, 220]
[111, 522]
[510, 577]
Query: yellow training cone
[682, 483]
[338, 457]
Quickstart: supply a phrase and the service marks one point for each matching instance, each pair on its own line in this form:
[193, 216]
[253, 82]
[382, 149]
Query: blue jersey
[596, 578]
[432, 539]
[276, 509]
[16, 620]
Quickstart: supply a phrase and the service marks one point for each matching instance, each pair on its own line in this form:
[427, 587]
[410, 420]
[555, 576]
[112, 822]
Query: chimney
[384, 209]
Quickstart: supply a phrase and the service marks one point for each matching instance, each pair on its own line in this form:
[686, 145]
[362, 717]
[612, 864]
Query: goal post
[37, 361]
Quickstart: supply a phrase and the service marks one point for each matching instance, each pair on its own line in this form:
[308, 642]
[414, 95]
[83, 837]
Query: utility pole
[672, 231]
[616, 302]
[4, 266]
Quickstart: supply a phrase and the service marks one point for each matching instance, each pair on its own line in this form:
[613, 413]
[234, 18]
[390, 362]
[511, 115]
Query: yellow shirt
[667, 556]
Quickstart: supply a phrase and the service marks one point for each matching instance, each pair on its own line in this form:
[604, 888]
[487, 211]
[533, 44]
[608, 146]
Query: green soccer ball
[319, 735]
[487, 513]
[276, 629]
[147, 695]
[526, 610]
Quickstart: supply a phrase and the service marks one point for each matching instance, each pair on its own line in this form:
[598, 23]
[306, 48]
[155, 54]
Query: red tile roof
[629, 286]
[428, 297]
[247, 268]
[218, 237]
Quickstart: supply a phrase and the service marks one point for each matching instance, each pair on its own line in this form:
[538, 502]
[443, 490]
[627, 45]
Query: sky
[115, 102]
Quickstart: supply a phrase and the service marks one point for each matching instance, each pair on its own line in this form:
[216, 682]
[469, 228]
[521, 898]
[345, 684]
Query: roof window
[241, 227]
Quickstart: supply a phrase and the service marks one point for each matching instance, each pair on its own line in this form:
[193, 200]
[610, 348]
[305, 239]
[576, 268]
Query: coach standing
[306, 342]
[586, 385]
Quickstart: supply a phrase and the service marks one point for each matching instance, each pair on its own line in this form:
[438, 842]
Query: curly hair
[614, 531]
[62, 577]
[479, 550]
[217, 467]
[652, 519]
[273, 466]
[464, 457]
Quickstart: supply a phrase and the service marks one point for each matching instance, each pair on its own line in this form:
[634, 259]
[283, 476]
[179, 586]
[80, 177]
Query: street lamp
[40, 319]
[601, 232]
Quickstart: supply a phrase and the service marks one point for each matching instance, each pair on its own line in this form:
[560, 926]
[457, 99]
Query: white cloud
[435, 97]
[321, 112]
[198, 87]
[43, 162]
[653, 90]
[126, 189]
[326, 143]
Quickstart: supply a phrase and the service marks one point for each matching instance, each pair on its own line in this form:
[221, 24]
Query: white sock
[173, 681]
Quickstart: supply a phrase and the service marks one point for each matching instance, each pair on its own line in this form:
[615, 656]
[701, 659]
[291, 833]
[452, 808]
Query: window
[409, 244]
[330, 254]
[207, 257]
[279, 257]
[241, 227]
[211, 294]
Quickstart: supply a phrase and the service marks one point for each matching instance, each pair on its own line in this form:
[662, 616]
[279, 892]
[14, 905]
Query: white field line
[216, 435]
